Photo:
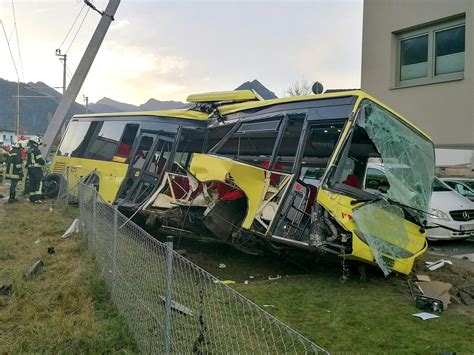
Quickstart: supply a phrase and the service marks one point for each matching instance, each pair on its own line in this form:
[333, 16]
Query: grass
[66, 307]
[372, 315]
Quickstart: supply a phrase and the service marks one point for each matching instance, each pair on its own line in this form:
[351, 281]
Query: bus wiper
[364, 200]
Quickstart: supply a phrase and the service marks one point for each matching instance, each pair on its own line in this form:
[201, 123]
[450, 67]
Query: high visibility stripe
[18, 166]
[38, 192]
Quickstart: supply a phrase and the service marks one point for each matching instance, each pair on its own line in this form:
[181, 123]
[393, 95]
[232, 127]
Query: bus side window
[128, 137]
[106, 143]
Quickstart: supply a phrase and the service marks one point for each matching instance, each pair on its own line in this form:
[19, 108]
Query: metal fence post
[67, 186]
[94, 216]
[114, 249]
[81, 206]
[168, 280]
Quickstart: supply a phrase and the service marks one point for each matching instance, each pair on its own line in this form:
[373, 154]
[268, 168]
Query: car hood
[450, 201]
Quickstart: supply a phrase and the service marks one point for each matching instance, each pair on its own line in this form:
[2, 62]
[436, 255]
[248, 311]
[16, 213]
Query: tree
[299, 88]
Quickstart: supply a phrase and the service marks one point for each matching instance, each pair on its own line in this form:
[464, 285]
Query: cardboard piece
[436, 289]
[423, 278]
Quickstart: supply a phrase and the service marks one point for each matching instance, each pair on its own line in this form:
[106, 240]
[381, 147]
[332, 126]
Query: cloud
[119, 24]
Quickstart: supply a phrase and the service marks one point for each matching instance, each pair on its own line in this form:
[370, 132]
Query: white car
[453, 213]
[461, 187]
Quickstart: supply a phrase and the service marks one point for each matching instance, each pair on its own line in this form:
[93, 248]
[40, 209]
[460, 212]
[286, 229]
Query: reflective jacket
[34, 158]
[14, 170]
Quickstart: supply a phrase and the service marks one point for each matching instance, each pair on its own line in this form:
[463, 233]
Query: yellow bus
[125, 155]
[294, 172]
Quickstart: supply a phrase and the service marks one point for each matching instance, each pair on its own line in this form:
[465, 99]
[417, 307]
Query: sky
[170, 49]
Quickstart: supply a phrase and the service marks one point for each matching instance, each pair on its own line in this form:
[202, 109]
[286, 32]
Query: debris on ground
[268, 305]
[37, 266]
[73, 228]
[424, 302]
[251, 277]
[425, 316]
[434, 265]
[436, 290]
[51, 250]
[423, 278]
[5, 290]
[178, 307]
[466, 298]
[246, 282]
[38, 241]
[222, 266]
[469, 257]
[228, 282]
[277, 277]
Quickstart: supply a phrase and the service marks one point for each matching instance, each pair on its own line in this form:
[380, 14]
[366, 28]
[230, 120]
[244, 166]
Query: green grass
[65, 308]
[355, 316]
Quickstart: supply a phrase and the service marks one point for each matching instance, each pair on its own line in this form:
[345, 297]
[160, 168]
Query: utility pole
[86, 99]
[80, 74]
[63, 58]
[17, 109]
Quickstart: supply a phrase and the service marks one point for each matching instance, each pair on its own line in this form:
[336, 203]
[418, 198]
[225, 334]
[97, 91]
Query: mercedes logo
[465, 215]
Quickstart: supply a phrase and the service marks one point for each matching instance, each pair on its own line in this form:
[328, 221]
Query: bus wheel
[51, 185]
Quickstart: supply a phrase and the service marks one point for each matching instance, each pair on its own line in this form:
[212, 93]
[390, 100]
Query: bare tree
[299, 88]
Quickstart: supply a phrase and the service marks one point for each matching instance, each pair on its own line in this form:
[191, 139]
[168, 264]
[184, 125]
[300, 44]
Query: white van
[453, 213]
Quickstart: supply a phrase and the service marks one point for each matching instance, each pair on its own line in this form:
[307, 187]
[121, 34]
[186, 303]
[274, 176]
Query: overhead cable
[17, 41]
[78, 29]
[9, 48]
[72, 26]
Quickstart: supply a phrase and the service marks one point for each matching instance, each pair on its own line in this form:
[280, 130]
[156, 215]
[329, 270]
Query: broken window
[252, 143]
[407, 156]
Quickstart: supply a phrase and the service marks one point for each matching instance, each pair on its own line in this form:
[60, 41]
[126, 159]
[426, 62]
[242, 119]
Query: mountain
[259, 88]
[156, 105]
[108, 105]
[35, 111]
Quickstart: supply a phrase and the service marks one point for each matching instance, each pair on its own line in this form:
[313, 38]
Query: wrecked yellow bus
[292, 172]
[125, 155]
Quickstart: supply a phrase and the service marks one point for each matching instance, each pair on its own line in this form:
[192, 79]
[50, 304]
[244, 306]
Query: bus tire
[51, 185]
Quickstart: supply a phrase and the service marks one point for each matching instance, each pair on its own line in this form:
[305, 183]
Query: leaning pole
[79, 76]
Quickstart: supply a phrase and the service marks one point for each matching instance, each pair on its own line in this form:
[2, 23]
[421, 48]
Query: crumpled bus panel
[251, 180]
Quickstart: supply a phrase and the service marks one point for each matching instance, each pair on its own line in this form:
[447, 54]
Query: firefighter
[3, 156]
[34, 163]
[14, 171]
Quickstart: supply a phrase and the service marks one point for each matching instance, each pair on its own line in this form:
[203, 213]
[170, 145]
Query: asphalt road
[454, 248]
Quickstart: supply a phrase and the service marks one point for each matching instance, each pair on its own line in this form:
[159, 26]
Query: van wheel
[51, 185]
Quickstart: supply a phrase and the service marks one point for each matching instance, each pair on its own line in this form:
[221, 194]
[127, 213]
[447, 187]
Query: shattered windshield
[407, 156]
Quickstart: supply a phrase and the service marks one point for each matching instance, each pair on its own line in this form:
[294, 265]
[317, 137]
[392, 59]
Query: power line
[17, 41]
[9, 48]
[78, 29]
[72, 26]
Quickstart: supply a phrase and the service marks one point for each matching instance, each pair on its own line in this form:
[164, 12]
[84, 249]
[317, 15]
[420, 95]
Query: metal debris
[37, 266]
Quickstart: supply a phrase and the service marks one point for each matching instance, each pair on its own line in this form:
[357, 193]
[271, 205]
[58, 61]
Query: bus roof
[229, 108]
[180, 113]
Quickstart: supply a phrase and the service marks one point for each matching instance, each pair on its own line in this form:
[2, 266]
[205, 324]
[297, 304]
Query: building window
[430, 54]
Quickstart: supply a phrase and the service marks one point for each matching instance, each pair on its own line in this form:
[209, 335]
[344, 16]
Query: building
[8, 138]
[417, 56]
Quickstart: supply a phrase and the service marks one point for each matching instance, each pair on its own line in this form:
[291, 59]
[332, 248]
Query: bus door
[147, 166]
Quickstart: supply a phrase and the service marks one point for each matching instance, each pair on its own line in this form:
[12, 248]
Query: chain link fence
[171, 304]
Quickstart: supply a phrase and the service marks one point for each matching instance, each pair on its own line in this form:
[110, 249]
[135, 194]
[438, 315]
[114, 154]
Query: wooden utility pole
[80, 75]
